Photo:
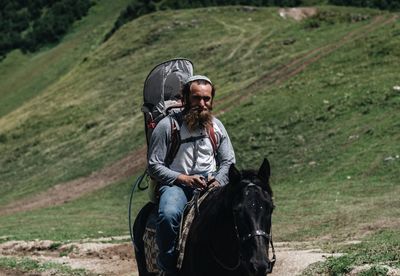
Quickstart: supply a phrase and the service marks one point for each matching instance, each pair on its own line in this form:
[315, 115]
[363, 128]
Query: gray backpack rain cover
[162, 91]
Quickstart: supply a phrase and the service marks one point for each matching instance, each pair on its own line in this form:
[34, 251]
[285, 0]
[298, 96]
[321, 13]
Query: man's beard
[197, 118]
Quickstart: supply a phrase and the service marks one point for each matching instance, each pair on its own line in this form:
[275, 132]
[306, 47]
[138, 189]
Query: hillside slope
[316, 96]
[24, 76]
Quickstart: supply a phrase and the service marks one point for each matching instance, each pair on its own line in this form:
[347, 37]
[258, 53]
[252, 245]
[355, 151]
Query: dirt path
[67, 191]
[118, 259]
[135, 161]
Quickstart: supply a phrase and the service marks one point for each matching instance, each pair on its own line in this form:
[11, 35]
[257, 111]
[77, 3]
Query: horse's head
[252, 210]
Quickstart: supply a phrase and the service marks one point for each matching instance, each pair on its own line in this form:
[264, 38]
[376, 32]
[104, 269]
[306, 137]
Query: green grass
[328, 132]
[28, 265]
[102, 214]
[380, 251]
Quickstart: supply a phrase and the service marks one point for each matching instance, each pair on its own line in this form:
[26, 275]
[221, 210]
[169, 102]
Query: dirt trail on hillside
[135, 161]
[65, 192]
[278, 75]
[118, 258]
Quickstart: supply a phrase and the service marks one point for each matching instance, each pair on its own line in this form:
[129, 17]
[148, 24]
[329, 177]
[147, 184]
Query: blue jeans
[172, 203]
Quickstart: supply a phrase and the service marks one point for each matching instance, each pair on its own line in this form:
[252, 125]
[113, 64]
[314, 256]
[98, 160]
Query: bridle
[257, 233]
[245, 238]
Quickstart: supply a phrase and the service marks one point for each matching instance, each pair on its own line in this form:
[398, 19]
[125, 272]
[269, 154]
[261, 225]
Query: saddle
[149, 237]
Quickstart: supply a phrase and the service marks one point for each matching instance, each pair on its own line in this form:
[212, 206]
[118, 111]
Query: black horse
[231, 233]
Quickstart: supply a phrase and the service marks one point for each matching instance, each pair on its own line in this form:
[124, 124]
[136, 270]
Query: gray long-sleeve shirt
[195, 157]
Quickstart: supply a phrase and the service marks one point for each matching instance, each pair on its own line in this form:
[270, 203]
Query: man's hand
[194, 181]
[213, 183]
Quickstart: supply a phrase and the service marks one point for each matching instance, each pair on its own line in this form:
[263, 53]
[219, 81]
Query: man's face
[201, 96]
[199, 114]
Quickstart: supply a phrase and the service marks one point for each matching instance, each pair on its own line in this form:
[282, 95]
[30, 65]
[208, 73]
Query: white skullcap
[198, 77]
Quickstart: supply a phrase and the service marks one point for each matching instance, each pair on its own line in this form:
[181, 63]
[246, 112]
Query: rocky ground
[114, 256]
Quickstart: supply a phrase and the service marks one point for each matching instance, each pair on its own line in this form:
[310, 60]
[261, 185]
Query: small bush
[341, 265]
[3, 138]
[55, 245]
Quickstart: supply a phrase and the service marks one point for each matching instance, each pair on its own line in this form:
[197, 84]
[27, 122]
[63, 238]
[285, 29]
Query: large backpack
[162, 91]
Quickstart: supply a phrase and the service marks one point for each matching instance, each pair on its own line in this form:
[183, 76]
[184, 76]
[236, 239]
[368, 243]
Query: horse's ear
[234, 174]
[265, 171]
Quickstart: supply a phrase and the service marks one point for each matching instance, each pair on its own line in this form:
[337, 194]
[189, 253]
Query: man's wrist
[181, 179]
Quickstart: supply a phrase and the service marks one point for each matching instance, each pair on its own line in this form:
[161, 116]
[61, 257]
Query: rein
[224, 266]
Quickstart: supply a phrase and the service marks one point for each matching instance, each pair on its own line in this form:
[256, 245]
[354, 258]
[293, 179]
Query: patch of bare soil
[297, 13]
[118, 259]
[97, 258]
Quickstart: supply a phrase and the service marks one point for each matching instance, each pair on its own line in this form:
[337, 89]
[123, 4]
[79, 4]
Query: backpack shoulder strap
[175, 140]
[213, 138]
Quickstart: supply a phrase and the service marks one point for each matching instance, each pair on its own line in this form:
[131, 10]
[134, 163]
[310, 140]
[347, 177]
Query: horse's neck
[217, 220]
[223, 244]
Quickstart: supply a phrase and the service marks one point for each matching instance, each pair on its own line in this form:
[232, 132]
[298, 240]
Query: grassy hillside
[320, 102]
[24, 76]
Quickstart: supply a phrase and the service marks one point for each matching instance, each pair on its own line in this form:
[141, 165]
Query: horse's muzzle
[260, 268]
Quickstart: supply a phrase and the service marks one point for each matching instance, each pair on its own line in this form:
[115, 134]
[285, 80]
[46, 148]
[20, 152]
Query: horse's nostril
[258, 268]
[253, 268]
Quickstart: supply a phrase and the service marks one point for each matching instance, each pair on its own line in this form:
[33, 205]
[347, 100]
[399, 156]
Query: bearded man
[202, 159]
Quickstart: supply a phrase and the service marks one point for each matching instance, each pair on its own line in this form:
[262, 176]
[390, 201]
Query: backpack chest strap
[192, 139]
